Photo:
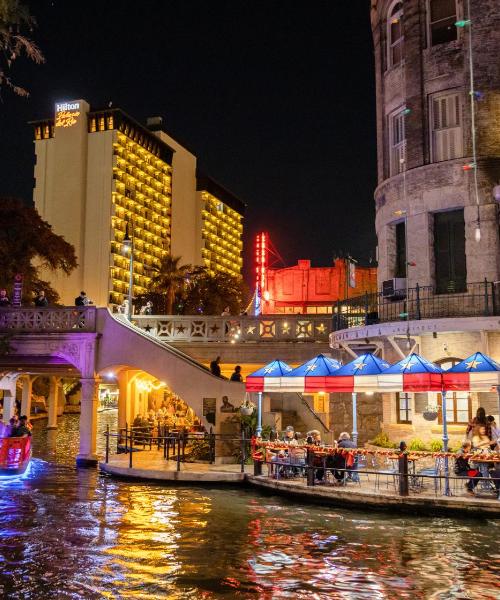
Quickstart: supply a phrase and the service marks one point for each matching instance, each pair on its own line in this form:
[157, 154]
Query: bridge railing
[265, 328]
[50, 319]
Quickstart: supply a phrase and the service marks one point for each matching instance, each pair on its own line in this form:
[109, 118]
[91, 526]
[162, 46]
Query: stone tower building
[425, 145]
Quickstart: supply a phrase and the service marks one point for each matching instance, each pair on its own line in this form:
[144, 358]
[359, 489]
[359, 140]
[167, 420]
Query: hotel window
[397, 139]
[449, 252]
[403, 407]
[458, 404]
[446, 127]
[442, 18]
[395, 37]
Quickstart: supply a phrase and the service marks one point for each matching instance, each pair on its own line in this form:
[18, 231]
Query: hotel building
[100, 174]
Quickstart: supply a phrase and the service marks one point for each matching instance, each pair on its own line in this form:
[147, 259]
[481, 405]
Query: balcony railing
[266, 328]
[61, 320]
[480, 300]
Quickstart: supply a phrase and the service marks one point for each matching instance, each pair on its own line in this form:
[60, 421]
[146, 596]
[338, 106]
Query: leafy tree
[170, 280]
[15, 18]
[209, 294]
[28, 244]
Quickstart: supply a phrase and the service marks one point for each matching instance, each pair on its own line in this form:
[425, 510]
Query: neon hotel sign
[67, 113]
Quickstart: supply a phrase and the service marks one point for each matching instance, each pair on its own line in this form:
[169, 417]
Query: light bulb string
[473, 114]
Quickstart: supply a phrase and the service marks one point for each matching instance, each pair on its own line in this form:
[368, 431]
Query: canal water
[68, 533]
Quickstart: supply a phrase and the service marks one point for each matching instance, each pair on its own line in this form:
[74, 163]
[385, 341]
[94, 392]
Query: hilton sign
[67, 113]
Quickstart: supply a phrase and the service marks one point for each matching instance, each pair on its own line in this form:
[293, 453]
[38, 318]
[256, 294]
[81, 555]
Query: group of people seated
[483, 439]
[173, 416]
[291, 461]
[17, 427]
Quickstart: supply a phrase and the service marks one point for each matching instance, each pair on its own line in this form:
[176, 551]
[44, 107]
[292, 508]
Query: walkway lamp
[128, 245]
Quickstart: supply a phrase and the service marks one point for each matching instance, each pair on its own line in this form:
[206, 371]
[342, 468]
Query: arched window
[395, 36]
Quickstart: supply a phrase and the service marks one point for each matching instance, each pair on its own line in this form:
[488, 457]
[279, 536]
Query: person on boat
[12, 426]
[22, 430]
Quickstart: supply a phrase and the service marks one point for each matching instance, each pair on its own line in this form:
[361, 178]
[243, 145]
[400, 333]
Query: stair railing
[313, 413]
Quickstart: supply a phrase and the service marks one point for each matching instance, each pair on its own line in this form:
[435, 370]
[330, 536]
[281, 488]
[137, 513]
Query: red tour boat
[15, 456]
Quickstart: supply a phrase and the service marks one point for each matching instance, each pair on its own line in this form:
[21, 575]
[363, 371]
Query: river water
[68, 533]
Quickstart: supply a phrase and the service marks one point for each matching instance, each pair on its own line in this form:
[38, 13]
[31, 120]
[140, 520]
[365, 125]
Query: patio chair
[435, 472]
[389, 472]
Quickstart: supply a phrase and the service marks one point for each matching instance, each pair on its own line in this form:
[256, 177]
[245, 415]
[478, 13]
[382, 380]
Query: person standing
[4, 299]
[226, 312]
[215, 367]
[236, 376]
[82, 300]
[41, 300]
[147, 309]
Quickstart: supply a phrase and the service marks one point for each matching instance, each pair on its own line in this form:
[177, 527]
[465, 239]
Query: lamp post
[445, 444]
[128, 244]
[258, 430]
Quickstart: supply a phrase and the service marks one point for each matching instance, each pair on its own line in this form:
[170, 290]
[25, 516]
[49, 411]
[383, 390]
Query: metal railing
[61, 320]
[176, 445]
[313, 464]
[478, 300]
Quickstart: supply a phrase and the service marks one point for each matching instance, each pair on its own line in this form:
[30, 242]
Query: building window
[403, 407]
[400, 270]
[446, 127]
[458, 404]
[395, 38]
[397, 137]
[449, 252]
[442, 19]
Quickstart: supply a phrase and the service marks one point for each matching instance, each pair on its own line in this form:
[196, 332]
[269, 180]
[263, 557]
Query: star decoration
[180, 329]
[268, 370]
[473, 364]
[286, 329]
[251, 329]
[148, 328]
[214, 328]
[359, 366]
[311, 367]
[321, 328]
[406, 365]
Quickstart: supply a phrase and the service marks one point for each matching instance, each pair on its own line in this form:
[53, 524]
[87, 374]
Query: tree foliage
[170, 280]
[209, 293]
[15, 19]
[27, 244]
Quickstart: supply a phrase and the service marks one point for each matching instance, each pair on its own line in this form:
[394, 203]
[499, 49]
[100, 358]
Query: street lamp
[128, 244]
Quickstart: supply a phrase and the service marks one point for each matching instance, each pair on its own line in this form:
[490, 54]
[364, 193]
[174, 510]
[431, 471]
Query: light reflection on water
[68, 533]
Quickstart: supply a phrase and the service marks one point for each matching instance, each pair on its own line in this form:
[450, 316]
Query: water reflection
[68, 533]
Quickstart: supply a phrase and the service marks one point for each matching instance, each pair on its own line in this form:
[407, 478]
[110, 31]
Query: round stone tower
[436, 213]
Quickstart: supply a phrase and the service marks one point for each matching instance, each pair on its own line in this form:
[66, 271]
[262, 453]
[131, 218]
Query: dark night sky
[275, 97]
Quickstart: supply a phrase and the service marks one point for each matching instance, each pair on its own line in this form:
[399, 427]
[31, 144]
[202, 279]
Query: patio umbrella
[310, 377]
[477, 373]
[413, 373]
[360, 375]
[267, 378]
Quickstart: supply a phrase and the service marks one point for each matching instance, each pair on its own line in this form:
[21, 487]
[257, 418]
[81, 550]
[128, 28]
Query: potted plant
[430, 413]
[247, 407]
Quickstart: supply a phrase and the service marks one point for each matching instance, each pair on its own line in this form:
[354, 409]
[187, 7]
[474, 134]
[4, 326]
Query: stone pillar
[88, 423]
[9, 405]
[53, 393]
[61, 400]
[123, 387]
[26, 396]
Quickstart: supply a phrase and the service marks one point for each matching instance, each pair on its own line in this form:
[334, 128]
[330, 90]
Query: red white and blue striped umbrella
[360, 375]
[267, 379]
[310, 377]
[477, 373]
[412, 374]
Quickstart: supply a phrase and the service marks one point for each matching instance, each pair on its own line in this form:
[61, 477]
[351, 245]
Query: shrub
[436, 445]
[382, 440]
[417, 445]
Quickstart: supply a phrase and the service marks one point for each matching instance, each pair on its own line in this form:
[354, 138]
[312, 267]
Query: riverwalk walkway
[149, 465]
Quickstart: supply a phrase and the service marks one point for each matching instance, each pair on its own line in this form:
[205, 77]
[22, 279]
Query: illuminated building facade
[303, 289]
[100, 175]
